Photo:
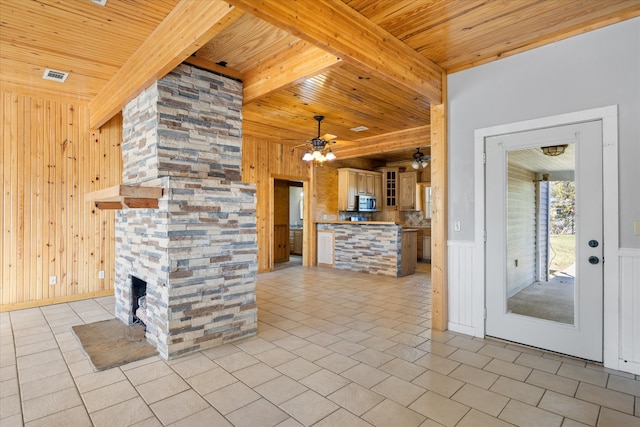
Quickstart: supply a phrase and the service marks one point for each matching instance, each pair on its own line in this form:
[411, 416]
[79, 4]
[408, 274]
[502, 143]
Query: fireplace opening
[139, 300]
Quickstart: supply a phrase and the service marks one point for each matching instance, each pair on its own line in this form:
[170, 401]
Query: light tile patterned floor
[333, 349]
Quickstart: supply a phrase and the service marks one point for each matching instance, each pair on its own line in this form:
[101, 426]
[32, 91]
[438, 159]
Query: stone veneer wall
[198, 250]
[369, 248]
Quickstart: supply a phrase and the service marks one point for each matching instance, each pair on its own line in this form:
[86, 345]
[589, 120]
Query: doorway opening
[288, 223]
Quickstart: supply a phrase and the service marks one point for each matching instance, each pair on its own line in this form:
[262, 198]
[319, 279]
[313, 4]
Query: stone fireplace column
[198, 250]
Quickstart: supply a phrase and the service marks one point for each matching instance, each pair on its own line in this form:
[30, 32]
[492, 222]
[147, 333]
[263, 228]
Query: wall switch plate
[101, 274]
[457, 226]
[52, 280]
[636, 227]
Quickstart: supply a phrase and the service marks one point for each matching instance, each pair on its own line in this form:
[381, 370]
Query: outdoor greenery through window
[562, 225]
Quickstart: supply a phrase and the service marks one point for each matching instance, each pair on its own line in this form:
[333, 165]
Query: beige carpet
[111, 343]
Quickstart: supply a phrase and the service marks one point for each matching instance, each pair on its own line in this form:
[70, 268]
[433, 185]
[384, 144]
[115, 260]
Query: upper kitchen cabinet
[356, 182]
[399, 189]
[347, 189]
[407, 182]
[378, 192]
[390, 185]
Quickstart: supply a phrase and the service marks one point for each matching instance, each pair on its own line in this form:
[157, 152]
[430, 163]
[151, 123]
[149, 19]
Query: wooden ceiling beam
[387, 143]
[301, 61]
[188, 27]
[335, 27]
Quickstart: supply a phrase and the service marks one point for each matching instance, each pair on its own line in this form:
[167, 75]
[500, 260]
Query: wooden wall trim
[439, 226]
[57, 300]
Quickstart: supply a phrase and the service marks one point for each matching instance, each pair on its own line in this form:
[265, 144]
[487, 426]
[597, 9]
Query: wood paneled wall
[263, 162]
[49, 160]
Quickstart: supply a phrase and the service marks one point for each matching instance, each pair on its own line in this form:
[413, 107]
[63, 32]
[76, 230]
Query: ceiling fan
[319, 147]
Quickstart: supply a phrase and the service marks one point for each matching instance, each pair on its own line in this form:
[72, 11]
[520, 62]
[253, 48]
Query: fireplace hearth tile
[111, 343]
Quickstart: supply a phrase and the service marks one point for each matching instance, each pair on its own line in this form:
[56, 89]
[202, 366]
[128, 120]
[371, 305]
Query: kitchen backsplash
[416, 219]
[362, 216]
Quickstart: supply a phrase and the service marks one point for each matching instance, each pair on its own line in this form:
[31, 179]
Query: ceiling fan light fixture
[420, 159]
[318, 146]
[554, 150]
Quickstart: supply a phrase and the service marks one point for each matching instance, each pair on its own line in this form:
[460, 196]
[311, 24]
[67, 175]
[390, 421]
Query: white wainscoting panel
[460, 278]
[629, 262]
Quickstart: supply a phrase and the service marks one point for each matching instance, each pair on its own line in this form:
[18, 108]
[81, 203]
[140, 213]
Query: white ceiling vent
[359, 129]
[100, 2]
[55, 75]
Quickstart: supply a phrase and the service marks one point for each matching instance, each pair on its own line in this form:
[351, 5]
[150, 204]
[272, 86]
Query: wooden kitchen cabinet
[378, 192]
[356, 182]
[295, 239]
[347, 189]
[390, 184]
[409, 256]
[407, 182]
[362, 183]
[370, 181]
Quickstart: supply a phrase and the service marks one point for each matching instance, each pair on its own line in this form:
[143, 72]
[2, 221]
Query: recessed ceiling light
[100, 2]
[360, 129]
[55, 75]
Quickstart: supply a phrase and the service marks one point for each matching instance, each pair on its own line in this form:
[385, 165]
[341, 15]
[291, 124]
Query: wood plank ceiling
[297, 59]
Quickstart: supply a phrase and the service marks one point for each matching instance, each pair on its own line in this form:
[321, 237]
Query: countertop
[404, 227]
[327, 221]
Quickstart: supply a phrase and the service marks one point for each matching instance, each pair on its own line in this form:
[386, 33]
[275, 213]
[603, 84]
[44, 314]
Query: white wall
[591, 70]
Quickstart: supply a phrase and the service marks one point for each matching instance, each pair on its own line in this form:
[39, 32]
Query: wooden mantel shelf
[125, 196]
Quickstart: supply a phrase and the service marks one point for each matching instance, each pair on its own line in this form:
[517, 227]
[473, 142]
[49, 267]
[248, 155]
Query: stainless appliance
[366, 203]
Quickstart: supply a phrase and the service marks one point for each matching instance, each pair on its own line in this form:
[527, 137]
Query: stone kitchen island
[374, 247]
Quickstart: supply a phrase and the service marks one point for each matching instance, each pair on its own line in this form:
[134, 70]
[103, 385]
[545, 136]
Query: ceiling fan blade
[343, 142]
[328, 137]
[300, 145]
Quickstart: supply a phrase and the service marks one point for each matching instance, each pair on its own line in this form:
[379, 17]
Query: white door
[544, 275]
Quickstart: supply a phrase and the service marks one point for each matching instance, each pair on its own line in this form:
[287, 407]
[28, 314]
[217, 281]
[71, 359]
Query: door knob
[594, 260]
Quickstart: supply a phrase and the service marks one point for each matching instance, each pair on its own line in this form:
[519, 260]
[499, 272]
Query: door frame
[609, 117]
[306, 217]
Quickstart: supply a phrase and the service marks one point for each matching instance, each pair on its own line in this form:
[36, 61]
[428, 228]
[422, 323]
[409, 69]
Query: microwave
[366, 203]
